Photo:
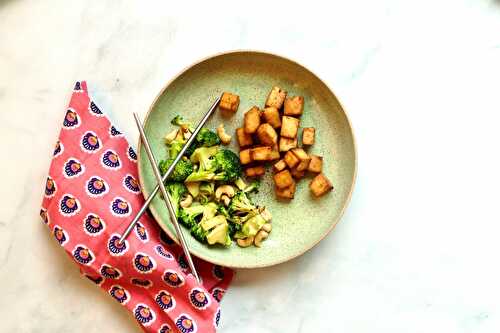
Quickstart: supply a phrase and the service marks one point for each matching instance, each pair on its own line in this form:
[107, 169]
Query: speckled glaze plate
[298, 225]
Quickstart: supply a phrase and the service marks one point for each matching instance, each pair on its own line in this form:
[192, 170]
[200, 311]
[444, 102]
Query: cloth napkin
[91, 195]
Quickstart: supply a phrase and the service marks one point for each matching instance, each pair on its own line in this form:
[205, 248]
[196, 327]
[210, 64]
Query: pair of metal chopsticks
[161, 187]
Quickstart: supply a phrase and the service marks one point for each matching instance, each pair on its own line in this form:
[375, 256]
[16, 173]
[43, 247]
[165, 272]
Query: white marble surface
[417, 250]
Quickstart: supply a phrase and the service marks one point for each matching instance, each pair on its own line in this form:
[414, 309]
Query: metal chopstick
[166, 197]
[170, 170]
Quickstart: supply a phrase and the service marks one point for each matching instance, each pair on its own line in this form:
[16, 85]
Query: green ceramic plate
[297, 225]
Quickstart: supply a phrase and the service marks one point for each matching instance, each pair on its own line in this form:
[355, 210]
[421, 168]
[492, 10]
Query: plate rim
[146, 194]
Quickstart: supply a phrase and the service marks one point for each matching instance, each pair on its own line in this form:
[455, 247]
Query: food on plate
[286, 192]
[267, 135]
[308, 136]
[272, 116]
[262, 153]
[229, 102]
[255, 171]
[276, 97]
[208, 194]
[283, 179]
[320, 185]
[244, 139]
[251, 120]
[246, 156]
[316, 164]
[223, 136]
[293, 106]
[304, 159]
[286, 144]
[289, 127]
[291, 159]
[279, 166]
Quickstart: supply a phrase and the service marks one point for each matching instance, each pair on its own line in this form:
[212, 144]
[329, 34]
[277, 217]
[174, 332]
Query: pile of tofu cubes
[271, 136]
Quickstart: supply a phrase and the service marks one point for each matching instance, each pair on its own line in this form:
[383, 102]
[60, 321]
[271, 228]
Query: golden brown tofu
[229, 102]
[283, 179]
[287, 192]
[267, 135]
[272, 116]
[275, 154]
[289, 127]
[316, 164]
[279, 166]
[245, 156]
[256, 171]
[303, 157]
[276, 97]
[294, 106]
[244, 139]
[261, 153]
[308, 136]
[251, 120]
[297, 174]
[286, 144]
[320, 185]
[290, 159]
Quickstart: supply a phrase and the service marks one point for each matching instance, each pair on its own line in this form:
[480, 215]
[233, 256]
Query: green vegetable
[209, 224]
[213, 230]
[206, 192]
[189, 216]
[253, 187]
[240, 183]
[177, 192]
[228, 165]
[175, 148]
[179, 121]
[208, 165]
[219, 235]
[207, 138]
[251, 227]
[199, 234]
[241, 204]
[181, 171]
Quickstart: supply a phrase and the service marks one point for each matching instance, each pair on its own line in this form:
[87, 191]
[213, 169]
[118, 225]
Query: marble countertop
[417, 249]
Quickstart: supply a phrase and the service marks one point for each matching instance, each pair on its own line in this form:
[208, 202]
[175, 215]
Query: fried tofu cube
[290, 159]
[267, 135]
[303, 157]
[308, 136]
[316, 164]
[245, 156]
[286, 192]
[294, 106]
[286, 144]
[289, 127]
[256, 171]
[276, 97]
[279, 166]
[229, 102]
[252, 120]
[297, 174]
[261, 153]
[283, 179]
[275, 153]
[244, 139]
[272, 116]
[320, 185]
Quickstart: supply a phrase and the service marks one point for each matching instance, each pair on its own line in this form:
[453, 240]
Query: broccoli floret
[175, 147]
[207, 138]
[233, 229]
[208, 164]
[241, 204]
[181, 171]
[224, 212]
[199, 233]
[179, 121]
[206, 192]
[251, 227]
[253, 187]
[177, 192]
[189, 216]
[228, 165]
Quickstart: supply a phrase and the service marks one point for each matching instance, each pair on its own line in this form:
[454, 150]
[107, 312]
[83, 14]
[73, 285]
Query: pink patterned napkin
[91, 195]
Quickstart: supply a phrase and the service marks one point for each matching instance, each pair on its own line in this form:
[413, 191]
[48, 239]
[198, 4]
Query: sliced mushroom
[224, 137]
[261, 235]
[245, 242]
[228, 190]
[187, 201]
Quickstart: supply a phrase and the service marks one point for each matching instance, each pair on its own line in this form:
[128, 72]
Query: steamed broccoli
[177, 192]
[198, 233]
[207, 190]
[241, 204]
[179, 121]
[207, 138]
[228, 165]
[208, 164]
[253, 187]
[251, 227]
[181, 171]
[174, 148]
[189, 216]
[213, 230]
